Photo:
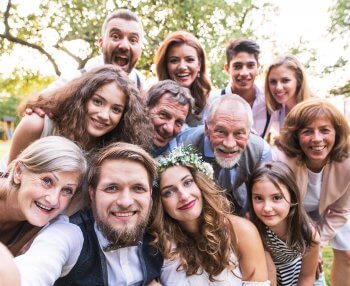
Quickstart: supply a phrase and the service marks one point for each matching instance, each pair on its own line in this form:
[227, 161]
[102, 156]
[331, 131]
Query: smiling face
[271, 205]
[181, 198]
[168, 116]
[316, 141]
[122, 43]
[122, 200]
[183, 64]
[104, 110]
[42, 197]
[228, 135]
[283, 85]
[243, 68]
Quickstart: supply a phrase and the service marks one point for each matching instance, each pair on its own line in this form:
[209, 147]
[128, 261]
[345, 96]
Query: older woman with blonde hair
[182, 58]
[201, 241]
[285, 86]
[39, 185]
[314, 142]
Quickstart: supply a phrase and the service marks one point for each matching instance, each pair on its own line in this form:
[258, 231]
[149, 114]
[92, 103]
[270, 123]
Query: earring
[199, 74]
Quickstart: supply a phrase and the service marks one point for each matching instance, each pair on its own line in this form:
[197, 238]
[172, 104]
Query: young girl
[285, 86]
[287, 234]
[202, 243]
[99, 107]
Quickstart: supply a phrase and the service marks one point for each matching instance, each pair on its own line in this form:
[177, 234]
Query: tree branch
[8, 36]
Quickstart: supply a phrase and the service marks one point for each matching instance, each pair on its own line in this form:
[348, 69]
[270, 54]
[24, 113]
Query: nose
[279, 85]
[244, 71]
[183, 194]
[103, 114]
[317, 136]
[229, 142]
[125, 199]
[267, 207]
[53, 196]
[182, 65]
[123, 44]
[169, 127]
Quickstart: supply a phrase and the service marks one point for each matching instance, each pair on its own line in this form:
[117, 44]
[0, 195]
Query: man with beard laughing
[105, 244]
[169, 105]
[226, 141]
[121, 45]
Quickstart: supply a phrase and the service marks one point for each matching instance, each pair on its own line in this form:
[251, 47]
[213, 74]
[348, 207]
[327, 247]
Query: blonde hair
[50, 154]
[302, 91]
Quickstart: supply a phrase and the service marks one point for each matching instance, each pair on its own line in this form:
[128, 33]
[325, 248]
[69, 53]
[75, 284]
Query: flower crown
[185, 155]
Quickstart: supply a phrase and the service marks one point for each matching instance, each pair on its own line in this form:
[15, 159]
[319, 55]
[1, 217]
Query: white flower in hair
[185, 155]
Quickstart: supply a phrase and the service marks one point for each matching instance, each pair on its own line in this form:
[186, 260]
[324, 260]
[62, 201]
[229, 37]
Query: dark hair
[300, 234]
[200, 88]
[120, 151]
[303, 114]
[212, 248]
[68, 105]
[120, 14]
[177, 92]
[242, 45]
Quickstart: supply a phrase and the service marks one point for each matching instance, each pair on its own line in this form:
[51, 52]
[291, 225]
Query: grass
[327, 252]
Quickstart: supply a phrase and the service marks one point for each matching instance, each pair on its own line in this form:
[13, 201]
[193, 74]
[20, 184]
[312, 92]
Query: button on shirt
[123, 264]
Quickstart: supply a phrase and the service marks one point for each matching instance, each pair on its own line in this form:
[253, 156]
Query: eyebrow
[57, 179]
[114, 29]
[102, 98]
[165, 187]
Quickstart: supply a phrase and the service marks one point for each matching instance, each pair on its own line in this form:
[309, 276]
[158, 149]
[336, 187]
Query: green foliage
[213, 22]
[17, 87]
[340, 18]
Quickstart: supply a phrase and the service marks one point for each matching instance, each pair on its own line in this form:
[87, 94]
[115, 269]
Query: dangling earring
[199, 74]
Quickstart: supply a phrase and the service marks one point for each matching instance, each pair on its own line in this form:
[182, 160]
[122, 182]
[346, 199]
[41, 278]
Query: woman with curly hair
[202, 243]
[314, 142]
[181, 58]
[285, 86]
[99, 107]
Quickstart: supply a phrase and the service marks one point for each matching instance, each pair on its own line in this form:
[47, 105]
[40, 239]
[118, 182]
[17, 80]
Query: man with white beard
[105, 244]
[226, 141]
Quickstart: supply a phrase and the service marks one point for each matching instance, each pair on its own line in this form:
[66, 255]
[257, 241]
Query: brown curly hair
[68, 106]
[211, 249]
[200, 88]
[303, 114]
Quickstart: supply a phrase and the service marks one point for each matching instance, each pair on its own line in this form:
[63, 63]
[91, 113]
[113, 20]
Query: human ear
[226, 68]
[100, 41]
[17, 173]
[91, 193]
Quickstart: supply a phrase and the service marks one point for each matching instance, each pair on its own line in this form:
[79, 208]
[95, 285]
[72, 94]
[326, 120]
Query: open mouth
[121, 61]
[43, 207]
[318, 148]
[227, 151]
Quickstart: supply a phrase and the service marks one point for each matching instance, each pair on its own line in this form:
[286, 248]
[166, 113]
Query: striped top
[287, 261]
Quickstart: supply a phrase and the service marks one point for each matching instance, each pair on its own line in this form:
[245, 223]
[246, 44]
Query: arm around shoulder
[250, 251]
[28, 130]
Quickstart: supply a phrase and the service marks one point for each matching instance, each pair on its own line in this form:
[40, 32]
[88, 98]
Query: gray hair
[233, 103]
[49, 154]
[177, 92]
[124, 14]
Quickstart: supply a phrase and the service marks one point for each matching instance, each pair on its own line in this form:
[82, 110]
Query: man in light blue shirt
[226, 141]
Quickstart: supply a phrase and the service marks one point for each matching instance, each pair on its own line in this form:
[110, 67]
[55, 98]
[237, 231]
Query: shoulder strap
[223, 91]
[83, 70]
[268, 118]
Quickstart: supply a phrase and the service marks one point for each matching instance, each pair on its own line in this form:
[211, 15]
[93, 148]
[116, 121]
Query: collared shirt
[56, 249]
[258, 108]
[134, 75]
[208, 152]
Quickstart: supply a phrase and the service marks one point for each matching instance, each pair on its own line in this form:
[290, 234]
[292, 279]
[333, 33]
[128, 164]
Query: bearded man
[105, 244]
[227, 143]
